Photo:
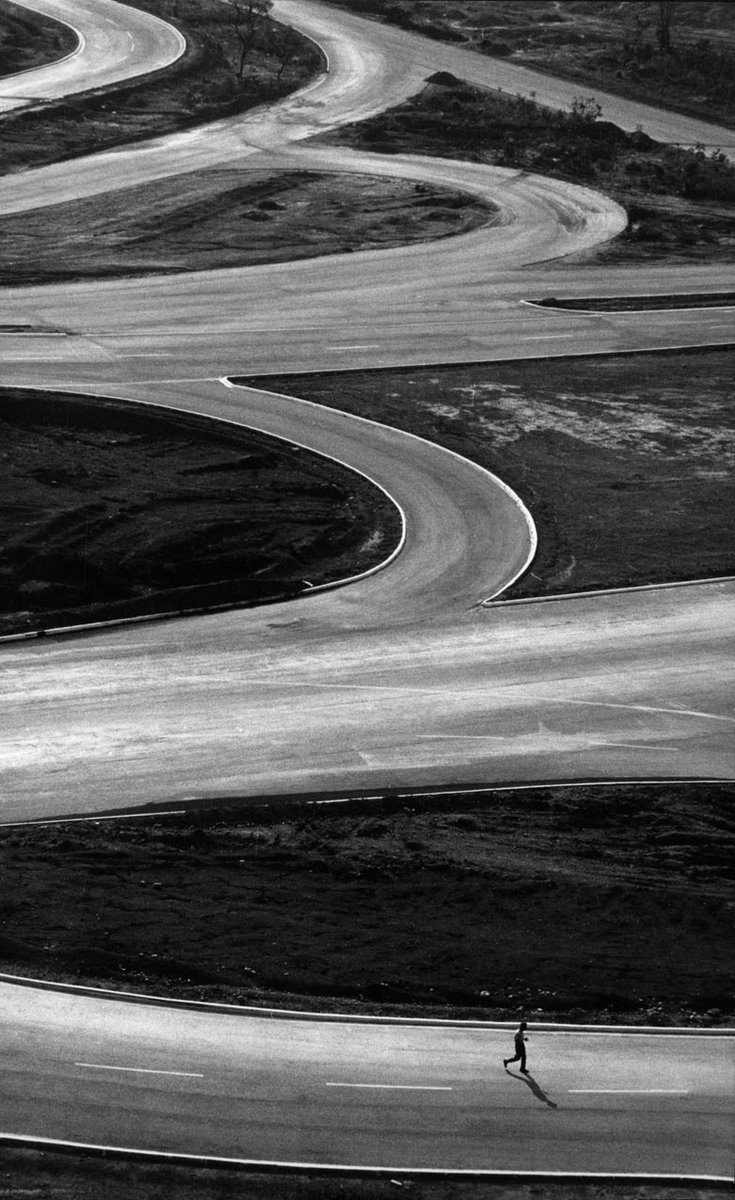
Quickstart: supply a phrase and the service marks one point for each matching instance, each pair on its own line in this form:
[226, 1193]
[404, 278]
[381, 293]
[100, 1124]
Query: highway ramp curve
[401, 678]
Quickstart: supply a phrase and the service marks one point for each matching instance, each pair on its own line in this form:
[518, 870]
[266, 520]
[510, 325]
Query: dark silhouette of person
[520, 1044]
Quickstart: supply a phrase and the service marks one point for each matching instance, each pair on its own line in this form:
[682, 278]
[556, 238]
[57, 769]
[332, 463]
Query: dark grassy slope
[602, 904]
[112, 510]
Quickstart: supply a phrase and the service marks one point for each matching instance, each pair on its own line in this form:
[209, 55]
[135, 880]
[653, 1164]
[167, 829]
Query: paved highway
[114, 43]
[401, 678]
[393, 1096]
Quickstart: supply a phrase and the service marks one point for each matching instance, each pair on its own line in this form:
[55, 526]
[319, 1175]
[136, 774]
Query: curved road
[401, 678]
[114, 43]
[297, 698]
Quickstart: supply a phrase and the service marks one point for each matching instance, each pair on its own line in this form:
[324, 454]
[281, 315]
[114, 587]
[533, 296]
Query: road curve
[114, 43]
[173, 716]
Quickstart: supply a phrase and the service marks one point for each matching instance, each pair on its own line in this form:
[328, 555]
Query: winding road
[405, 677]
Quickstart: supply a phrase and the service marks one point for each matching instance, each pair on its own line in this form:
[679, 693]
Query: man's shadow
[531, 1082]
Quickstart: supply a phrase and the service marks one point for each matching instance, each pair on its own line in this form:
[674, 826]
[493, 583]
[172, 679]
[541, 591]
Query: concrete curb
[213, 1162]
[287, 1014]
[561, 305]
[616, 591]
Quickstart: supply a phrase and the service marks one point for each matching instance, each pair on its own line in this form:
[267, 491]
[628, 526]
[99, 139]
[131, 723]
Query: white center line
[628, 1092]
[548, 337]
[138, 1070]
[392, 1087]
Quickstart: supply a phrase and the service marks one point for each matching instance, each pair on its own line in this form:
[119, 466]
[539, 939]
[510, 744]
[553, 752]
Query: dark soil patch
[29, 39]
[202, 85]
[599, 43]
[625, 462]
[112, 510]
[679, 201]
[227, 218]
[606, 904]
[77, 1177]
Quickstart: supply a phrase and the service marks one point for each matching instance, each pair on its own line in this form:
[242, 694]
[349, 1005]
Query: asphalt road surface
[395, 1096]
[114, 43]
[400, 678]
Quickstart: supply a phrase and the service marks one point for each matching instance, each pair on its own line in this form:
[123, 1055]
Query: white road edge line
[138, 1070]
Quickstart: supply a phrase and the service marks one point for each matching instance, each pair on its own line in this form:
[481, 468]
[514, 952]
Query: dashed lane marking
[628, 1092]
[392, 1087]
[138, 1070]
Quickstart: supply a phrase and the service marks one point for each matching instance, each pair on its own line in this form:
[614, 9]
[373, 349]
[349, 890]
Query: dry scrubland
[63, 1177]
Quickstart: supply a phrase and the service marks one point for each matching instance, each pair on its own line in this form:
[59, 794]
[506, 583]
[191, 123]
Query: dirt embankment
[573, 903]
[111, 510]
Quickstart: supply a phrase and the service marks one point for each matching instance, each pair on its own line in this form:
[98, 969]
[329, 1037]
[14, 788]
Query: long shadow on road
[530, 1082]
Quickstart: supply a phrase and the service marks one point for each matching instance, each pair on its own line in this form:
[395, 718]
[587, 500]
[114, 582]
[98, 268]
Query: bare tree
[285, 45]
[248, 18]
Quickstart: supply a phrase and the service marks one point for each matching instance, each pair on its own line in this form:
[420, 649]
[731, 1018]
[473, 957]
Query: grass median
[114, 510]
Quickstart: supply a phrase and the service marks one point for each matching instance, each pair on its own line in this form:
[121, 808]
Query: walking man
[520, 1044]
